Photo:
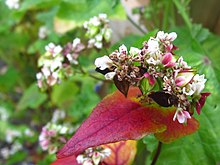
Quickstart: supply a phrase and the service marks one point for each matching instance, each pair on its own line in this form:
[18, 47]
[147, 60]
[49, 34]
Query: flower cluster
[176, 83]
[12, 4]
[56, 63]
[53, 134]
[98, 31]
[93, 156]
[13, 142]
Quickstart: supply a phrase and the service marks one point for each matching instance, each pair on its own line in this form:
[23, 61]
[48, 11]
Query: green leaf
[32, 98]
[64, 94]
[17, 157]
[8, 80]
[81, 10]
[145, 86]
[86, 100]
[151, 144]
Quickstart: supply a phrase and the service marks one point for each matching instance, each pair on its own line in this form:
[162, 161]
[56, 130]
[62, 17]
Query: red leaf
[65, 161]
[201, 102]
[174, 129]
[122, 153]
[117, 118]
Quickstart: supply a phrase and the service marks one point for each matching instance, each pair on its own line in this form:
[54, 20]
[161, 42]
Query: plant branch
[90, 75]
[157, 154]
[183, 13]
[136, 25]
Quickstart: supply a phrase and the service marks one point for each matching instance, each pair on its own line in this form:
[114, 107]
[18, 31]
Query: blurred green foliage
[26, 107]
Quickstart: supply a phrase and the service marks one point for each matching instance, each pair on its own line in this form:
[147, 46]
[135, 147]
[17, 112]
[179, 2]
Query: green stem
[183, 13]
[90, 75]
[166, 15]
[136, 25]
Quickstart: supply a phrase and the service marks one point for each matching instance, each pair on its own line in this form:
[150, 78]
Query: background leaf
[32, 98]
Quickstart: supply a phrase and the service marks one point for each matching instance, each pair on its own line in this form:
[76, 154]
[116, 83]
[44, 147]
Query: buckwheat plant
[93, 156]
[161, 75]
[98, 31]
[59, 63]
[54, 133]
[56, 63]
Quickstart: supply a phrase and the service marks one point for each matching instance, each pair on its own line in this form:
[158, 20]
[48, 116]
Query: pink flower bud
[182, 116]
[150, 78]
[168, 60]
[180, 81]
[184, 77]
[44, 144]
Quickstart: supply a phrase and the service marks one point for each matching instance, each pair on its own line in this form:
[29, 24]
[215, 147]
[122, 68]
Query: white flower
[103, 62]
[85, 24]
[94, 21]
[123, 49]
[5, 152]
[109, 75]
[98, 37]
[12, 4]
[15, 148]
[96, 158]
[172, 36]
[153, 46]
[76, 41]
[57, 115]
[98, 45]
[56, 63]
[11, 135]
[91, 42]
[45, 71]
[181, 115]
[28, 132]
[52, 149]
[88, 162]
[151, 60]
[198, 83]
[53, 49]
[43, 32]
[188, 90]
[63, 130]
[4, 115]
[161, 36]
[39, 76]
[134, 51]
[80, 159]
[106, 152]
[183, 63]
[103, 16]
